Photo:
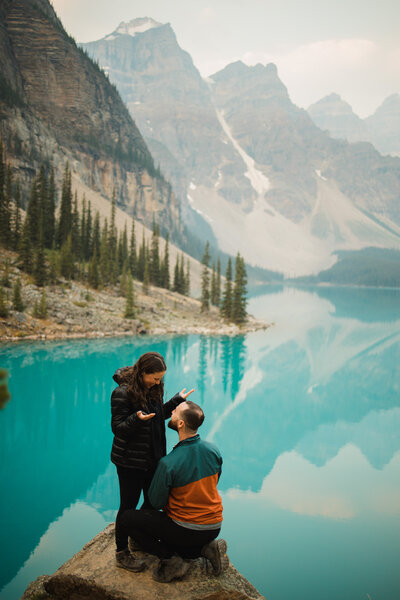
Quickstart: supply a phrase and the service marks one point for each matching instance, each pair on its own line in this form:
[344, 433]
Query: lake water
[306, 415]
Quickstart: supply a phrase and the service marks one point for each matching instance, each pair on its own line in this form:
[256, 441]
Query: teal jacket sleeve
[160, 486]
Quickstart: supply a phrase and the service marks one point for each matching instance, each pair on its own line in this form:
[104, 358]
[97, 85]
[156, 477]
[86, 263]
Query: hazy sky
[351, 47]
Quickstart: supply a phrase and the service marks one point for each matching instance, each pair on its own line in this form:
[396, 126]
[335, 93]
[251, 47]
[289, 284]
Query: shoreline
[76, 312]
[230, 330]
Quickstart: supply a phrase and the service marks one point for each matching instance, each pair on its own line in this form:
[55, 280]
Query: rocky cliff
[263, 177]
[55, 103]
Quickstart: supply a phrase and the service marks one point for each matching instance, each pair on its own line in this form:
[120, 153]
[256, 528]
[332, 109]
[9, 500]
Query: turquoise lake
[306, 415]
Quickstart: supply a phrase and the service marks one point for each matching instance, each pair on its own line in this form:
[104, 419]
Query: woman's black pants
[131, 483]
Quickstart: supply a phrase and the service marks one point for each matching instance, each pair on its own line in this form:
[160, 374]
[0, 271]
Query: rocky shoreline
[75, 311]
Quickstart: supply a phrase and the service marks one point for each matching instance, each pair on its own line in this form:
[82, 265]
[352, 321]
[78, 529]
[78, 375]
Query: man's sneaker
[169, 569]
[215, 552]
[125, 560]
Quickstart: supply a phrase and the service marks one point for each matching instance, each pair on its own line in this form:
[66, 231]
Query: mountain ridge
[253, 166]
[382, 128]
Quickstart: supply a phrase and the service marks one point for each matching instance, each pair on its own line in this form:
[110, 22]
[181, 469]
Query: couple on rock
[183, 484]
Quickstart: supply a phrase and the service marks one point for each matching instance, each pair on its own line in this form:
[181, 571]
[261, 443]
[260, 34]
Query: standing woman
[137, 422]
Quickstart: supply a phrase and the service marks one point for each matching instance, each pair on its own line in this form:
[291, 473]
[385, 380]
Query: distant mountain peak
[135, 26]
[331, 104]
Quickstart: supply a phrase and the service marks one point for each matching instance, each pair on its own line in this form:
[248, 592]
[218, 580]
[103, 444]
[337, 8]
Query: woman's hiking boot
[215, 552]
[125, 560]
[169, 569]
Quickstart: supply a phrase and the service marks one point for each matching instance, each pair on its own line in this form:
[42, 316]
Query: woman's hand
[145, 416]
[184, 394]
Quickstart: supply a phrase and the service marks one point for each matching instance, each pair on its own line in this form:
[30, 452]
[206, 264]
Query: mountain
[337, 117]
[57, 104]
[261, 176]
[171, 104]
[382, 128]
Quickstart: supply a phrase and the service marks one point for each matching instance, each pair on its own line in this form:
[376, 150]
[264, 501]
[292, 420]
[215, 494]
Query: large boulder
[92, 575]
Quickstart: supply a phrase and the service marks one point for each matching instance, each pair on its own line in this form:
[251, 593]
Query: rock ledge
[91, 574]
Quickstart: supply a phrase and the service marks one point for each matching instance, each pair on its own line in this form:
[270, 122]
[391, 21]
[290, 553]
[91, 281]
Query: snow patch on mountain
[259, 182]
[268, 239]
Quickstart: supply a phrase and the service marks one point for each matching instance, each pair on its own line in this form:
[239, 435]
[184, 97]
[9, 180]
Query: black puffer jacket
[138, 444]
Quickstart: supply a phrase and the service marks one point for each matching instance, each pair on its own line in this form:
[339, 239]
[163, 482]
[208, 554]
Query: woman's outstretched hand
[145, 416]
[184, 394]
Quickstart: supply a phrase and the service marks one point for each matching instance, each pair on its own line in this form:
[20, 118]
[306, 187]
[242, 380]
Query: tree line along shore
[47, 250]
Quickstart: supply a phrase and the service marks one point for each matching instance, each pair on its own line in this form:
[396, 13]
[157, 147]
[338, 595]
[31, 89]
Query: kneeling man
[185, 487]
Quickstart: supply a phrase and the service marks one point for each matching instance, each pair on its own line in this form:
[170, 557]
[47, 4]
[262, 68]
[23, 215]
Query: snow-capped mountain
[264, 178]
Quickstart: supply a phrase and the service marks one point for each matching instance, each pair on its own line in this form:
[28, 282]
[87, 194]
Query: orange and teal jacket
[185, 484]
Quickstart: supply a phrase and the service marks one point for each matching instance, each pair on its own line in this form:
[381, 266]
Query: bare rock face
[56, 104]
[92, 575]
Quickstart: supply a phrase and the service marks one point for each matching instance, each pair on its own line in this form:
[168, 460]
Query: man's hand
[184, 394]
[145, 416]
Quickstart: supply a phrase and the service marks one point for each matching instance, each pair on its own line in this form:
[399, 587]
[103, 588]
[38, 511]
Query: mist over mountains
[254, 167]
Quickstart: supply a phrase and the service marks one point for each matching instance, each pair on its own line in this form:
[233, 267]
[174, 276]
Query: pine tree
[182, 274]
[40, 269]
[94, 238]
[17, 302]
[42, 195]
[123, 253]
[75, 229]
[40, 309]
[176, 284]
[218, 284]
[49, 212]
[25, 248]
[53, 266]
[129, 306]
[132, 252]
[65, 220]
[165, 265]
[123, 280]
[32, 219]
[93, 271]
[113, 244]
[205, 280]
[104, 261]
[155, 256]
[146, 278]
[5, 280]
[67, 263]
[239, 313]
[187, 278]
[91, 233]
[141, 261]
[226, 304]
[3, 304]
[213, 291]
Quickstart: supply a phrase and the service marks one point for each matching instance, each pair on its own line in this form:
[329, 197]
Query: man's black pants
[158, 534]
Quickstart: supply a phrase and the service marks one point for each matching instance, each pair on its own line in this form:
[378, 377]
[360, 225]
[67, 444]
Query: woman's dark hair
[150, 362]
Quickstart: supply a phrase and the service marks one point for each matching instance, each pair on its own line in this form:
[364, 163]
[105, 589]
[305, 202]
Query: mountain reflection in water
[306, 415]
